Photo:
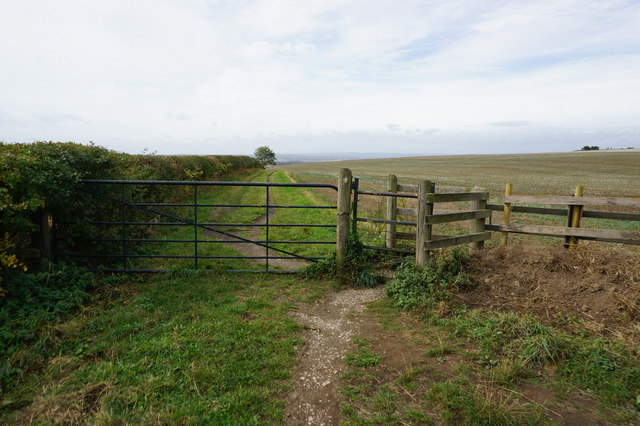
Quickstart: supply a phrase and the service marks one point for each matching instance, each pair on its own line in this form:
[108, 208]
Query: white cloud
[217, 76]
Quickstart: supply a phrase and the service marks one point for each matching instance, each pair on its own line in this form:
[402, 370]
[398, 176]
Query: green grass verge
[193, 347]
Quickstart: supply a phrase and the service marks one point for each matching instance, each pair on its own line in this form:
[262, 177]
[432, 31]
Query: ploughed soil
[595, 284]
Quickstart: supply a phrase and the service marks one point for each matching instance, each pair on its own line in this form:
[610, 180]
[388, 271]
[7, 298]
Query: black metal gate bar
[176, 221]
[227, 205]
[195, 226]
[266, 250]
[124, 227]
[188, 222]
[178, 256]
[148, 240]
[210, 183]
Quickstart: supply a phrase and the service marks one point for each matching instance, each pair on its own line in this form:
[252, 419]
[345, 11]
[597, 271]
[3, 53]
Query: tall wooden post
[392, 204]
[576, 215]
[344, 205]
[507, 212]
[477, 225]
[45, 233]
[423, 231]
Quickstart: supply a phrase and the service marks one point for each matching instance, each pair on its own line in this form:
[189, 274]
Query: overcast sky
[305, 76]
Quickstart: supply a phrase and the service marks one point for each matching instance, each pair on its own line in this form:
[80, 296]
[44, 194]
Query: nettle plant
[443, 274]
[352, 271]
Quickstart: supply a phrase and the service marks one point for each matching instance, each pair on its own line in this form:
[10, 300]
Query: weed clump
[352, 271]
[610, 369]
[34, 300]
[413, 287]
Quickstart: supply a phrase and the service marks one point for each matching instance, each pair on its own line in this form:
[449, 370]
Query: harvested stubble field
[601, 173]
[611, 173]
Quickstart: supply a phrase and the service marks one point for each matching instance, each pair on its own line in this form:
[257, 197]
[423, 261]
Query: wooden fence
[428, 195]
[423, 217]
[574, 212]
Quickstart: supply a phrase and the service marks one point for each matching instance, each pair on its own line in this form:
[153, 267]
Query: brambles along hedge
[47, 175]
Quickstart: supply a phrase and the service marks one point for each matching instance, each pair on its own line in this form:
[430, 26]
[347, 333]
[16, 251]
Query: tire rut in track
[254, 234]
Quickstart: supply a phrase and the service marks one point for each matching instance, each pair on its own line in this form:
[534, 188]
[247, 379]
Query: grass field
[612, 173]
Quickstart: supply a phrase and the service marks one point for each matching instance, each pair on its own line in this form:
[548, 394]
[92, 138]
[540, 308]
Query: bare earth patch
[330, 327]
[598, 285]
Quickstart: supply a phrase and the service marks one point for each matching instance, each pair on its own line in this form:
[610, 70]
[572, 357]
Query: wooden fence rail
[574, 213]
[607, 235]
[423, 217]
[428, 195]
[563, 212]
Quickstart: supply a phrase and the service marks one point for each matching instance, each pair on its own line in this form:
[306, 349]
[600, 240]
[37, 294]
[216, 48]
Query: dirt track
[250, 249]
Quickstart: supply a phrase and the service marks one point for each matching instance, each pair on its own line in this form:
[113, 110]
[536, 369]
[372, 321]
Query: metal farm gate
[119, 235]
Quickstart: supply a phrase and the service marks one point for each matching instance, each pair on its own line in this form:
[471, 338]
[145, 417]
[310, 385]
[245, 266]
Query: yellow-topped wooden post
[576, 215]
[507, 213]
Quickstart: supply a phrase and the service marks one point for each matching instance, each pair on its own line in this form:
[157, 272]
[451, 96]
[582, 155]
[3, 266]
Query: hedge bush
[47, 175]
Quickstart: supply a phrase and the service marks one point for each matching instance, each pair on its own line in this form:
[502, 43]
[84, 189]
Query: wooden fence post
[477, 225]
[344, 204]
[392, 204]
[45, 233]
[576, 215]
[507, 212]
[423, 231]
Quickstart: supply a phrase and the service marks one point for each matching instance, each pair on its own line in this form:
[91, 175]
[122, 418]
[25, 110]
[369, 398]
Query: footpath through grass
[193, 347]
[220, 195]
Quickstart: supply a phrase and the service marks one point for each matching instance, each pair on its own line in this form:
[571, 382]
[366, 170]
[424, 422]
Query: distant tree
[265, 155]
[595, 148]
[586, 148]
